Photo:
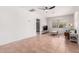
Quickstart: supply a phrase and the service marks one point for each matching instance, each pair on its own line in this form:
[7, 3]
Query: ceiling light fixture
[46, 8]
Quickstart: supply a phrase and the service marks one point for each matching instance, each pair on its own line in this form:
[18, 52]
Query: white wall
[60, 11]
[68, 19]
[76, 22]
[76, 19]
[17, 23]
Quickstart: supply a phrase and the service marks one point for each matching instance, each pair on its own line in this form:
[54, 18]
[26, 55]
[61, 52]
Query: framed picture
[55, 25]
[61, 25]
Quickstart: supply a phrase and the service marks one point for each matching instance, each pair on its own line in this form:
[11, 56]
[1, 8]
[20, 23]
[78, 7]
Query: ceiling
[57, 11]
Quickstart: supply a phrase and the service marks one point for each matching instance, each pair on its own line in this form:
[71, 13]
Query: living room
[36, 24]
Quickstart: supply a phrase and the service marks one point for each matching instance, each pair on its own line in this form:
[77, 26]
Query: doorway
[38, 26]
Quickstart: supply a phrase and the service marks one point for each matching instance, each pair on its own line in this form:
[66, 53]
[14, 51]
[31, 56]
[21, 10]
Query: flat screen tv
[45, 28]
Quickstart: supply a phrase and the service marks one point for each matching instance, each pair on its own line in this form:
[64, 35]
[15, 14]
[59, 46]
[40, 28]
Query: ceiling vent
[32, 10]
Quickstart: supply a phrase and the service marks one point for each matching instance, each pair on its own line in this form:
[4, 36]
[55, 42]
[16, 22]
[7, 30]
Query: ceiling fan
[47, 7]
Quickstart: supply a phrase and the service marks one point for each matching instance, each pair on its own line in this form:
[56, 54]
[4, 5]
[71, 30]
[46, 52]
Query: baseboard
[17, 39]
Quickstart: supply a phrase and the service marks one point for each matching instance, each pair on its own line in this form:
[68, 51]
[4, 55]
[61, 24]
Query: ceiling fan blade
[52, 7]
[42, 8]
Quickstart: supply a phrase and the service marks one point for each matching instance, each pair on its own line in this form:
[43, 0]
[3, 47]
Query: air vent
[32, 10]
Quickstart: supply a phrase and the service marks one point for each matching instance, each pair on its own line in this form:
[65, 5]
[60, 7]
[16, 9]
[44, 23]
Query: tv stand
[44, 32]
